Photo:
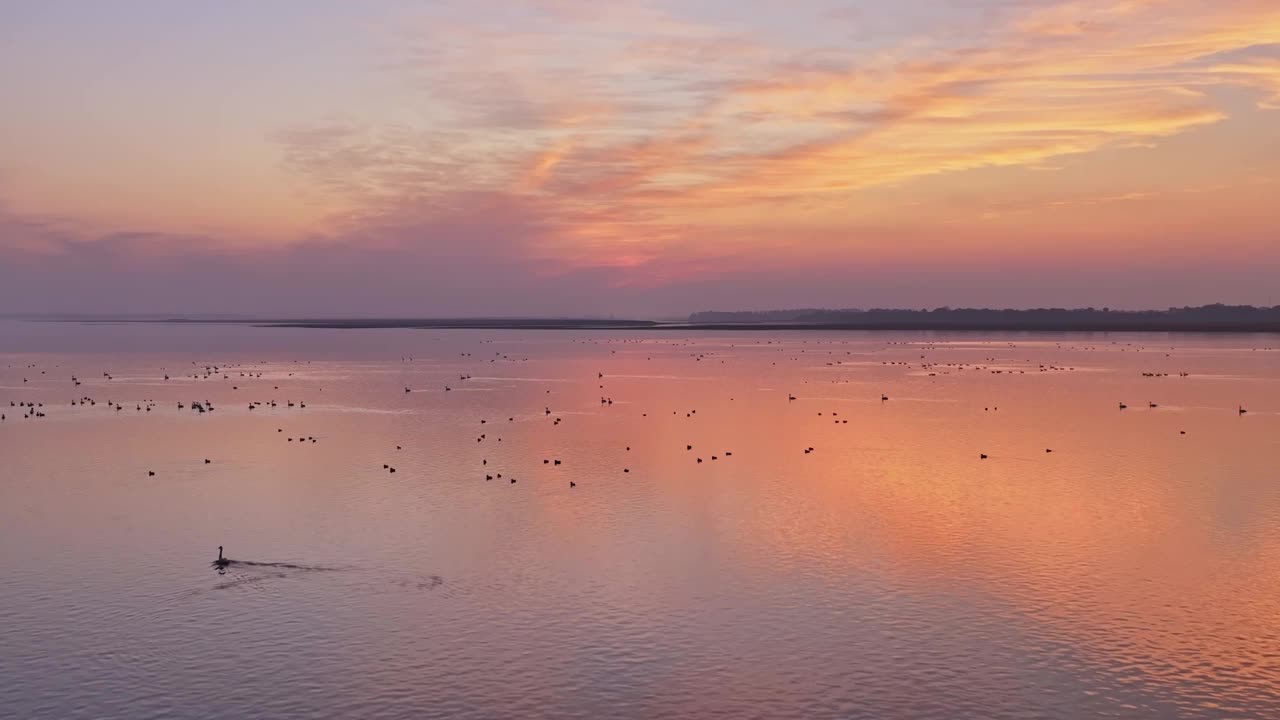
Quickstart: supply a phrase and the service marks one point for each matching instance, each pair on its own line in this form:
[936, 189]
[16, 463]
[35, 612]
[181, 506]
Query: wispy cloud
[632, 134]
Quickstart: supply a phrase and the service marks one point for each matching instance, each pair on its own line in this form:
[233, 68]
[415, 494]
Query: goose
[221, 562]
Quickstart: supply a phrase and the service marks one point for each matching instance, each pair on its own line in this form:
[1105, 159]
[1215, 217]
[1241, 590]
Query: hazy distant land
[1205, 318]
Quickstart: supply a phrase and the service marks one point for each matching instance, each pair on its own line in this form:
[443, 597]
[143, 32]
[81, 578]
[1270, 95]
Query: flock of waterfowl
[235, 375]
[35, 409]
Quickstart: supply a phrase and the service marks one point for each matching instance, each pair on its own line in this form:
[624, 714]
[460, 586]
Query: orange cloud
[634, 137]
[672, 163]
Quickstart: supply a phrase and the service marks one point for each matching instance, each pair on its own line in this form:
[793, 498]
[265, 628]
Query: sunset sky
[638, 157]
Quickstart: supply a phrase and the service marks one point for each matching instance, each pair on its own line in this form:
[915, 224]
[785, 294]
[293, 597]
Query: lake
[819, 552]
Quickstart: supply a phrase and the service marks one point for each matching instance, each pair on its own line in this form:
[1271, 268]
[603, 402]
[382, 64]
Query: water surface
[891, 571]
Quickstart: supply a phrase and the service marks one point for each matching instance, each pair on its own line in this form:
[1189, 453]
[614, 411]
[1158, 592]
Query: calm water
[1132, 572]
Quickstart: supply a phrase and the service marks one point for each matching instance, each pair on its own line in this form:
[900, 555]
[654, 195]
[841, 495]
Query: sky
[643, 158]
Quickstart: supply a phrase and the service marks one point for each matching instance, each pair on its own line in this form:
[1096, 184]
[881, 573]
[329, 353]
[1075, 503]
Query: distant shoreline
[787, 327]
[636, 325]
